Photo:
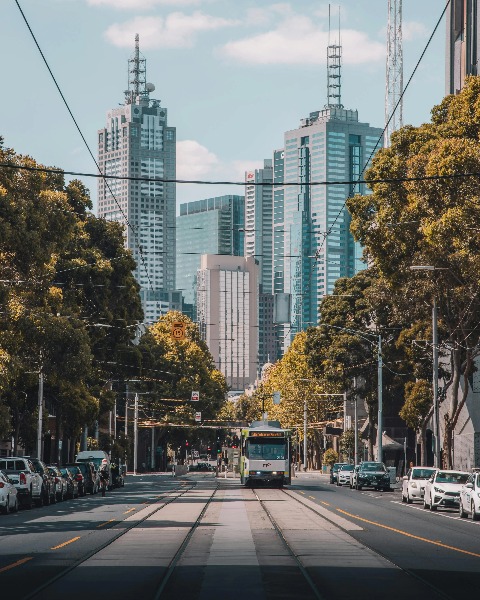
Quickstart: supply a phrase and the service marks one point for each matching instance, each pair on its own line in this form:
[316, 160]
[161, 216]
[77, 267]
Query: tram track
[163, 500]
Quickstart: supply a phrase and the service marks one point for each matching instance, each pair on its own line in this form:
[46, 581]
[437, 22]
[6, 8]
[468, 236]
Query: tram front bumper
[267, 475]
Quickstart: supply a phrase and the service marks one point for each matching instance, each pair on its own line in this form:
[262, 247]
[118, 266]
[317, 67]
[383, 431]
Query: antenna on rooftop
[394, 74]
[334, 67]
[137, 75]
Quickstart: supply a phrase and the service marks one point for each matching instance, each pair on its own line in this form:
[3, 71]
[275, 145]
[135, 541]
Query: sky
[233, 74]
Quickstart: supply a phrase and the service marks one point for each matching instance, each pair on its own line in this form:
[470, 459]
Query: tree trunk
[423, 444]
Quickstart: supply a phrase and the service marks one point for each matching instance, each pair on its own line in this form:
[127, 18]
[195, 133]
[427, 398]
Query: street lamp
[436, 415]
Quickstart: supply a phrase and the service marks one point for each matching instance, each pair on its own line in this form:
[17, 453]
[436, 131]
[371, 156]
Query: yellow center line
[410, 535]
[106, 523]
[312, 497]
[326, 503]
[302, 492]
[66, 543]
[16, 564]
[129, 510]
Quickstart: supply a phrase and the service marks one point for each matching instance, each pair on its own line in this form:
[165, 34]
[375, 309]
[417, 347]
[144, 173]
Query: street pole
[436, 420]
[380, 402]
[305, 435]
[152, 453]
[135, 435]
[40, 414]
[115, 420]
[355, 425]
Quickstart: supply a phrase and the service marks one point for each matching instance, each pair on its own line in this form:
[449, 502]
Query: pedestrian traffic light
[186, 443]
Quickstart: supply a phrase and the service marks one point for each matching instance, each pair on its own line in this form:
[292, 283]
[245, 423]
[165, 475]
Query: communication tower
[334, 68]
[394, 71]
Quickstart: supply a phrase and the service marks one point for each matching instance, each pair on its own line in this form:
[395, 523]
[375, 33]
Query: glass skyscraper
[209, 226]
[137, 142]
[313, 246]
[463, 43]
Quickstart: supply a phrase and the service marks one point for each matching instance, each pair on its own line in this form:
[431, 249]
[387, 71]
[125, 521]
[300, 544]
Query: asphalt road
[364, 544]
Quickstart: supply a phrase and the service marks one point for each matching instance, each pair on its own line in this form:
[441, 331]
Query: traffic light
[235, 441]
[219, 446]
[186, 443]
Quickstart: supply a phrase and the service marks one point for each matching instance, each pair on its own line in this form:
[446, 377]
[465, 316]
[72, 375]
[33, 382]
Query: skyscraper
[209, 226]
[227, 313]
[137, 142]
[313, 246]
[463, 43]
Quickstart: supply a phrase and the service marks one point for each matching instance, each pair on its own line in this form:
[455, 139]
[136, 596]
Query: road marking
[326, 503]
[66, 543]
[16, 564]
[410, 535]
[302, 492]
[312, 497]
[129, 510]
[106, 523]
[435, 513]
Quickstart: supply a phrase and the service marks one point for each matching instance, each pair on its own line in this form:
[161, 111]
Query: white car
[8, 494]
[343, 475]
[413, 485]
[470, 498]
[353, 476]
[443, 489]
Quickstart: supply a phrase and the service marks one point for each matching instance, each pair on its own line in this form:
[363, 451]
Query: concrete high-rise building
[463, 43]
[209, 226]
[259, 244]
[227, 313]
[137, 142]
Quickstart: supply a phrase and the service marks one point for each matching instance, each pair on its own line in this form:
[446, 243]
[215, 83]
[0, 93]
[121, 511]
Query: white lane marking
[435, 513]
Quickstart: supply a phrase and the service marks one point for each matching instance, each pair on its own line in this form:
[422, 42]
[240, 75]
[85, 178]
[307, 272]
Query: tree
[431, 219]
[330, 457]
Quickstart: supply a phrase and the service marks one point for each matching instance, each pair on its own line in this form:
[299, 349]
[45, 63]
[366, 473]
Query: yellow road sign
[177, 331]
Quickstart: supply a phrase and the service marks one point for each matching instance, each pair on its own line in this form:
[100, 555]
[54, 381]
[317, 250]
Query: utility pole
[380, 402]
[40, 414]
[355, 425]
[135, 435]
[436, 420]
[305, 435]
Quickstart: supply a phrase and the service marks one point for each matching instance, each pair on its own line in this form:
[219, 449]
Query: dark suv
[334, 471]
[373, 474]
[90, 484]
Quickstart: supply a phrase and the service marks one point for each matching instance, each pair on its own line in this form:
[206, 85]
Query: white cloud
[177, 30]
[141, 4]
[194, 161]
[298, 40]
[413, 29]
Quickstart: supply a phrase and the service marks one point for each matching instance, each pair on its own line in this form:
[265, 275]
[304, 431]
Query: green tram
[265, 454]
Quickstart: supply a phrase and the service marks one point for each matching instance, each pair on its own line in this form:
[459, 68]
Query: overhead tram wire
[101, 174]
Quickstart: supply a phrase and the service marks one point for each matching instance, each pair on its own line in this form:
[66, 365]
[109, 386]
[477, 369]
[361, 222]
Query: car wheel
[425, 505]
[432, 506]
[403, 497]
[409, 499]
[475, 515]
[39, 500]
[462, 514]
[6, 508]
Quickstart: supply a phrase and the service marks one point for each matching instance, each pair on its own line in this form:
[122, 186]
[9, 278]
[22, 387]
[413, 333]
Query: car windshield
[459, 478]
[347, 468]
[373, 467]
[422, 473]
[266, 449]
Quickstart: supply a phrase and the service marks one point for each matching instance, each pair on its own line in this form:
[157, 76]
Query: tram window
[266, 450]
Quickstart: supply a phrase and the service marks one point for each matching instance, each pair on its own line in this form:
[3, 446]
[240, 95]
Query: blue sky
[234, 74]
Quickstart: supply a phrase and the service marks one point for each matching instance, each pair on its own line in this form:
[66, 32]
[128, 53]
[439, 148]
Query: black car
[72, 483]
[373, 474]
[334, 470]
[90, 477]
[48, 488]
[59, 482]
[77, 473]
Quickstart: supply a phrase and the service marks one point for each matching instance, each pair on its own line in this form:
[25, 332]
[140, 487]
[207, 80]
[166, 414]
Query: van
[99, 458]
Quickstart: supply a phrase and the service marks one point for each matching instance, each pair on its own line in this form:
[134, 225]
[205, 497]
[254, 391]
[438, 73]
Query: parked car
[8, 494]
[443, 489]
[60, 482]
[353, 476]
[99, 458]
[72, 483]
[78, 475]
[334, 470]
[49, 494]
[343, 474]
[90, 476]
[470, 497]
[413, 484]
[25, 478]
[373, 474]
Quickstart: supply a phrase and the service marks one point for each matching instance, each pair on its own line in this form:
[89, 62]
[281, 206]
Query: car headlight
[439, 490]
[414, 485]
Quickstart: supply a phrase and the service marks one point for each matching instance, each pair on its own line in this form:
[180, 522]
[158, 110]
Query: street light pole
[380, 401]
[305, 435]
[135, 435]
[40, 414]
[355, 427]
[436, 420]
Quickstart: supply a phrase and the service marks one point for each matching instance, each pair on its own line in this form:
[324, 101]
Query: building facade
[463, 43]
[227, 314]
[209, 226]
[138, 142]
[313, 245]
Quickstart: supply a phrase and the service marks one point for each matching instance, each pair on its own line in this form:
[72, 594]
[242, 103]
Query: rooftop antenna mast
[394, 71]
[334, 68]
[137, 75]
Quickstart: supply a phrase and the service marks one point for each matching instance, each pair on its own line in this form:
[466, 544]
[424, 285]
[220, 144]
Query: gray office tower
[313, 245]
[210, 226]
[138, 142]
[463, 43]
[259, 244]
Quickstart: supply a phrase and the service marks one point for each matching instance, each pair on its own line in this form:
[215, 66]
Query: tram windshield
[266, 449]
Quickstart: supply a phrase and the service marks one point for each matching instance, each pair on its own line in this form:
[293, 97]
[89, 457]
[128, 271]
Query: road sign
[276, 397]
[195, 396]
[177, 331]
[198, 417]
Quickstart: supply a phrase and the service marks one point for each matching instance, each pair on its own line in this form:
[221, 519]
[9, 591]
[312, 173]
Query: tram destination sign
[266, 434]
